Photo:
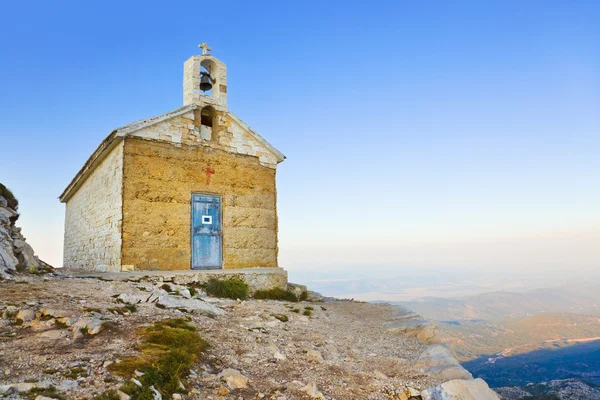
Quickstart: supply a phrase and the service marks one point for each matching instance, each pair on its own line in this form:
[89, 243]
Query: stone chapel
[193, 188]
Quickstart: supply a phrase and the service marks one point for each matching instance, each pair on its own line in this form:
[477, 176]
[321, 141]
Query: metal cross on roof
[204, 48]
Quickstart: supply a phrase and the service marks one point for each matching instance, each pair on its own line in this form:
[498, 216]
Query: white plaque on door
[207, 219]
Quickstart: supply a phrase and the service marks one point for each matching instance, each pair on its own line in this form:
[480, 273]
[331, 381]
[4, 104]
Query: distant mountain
[580, 361]
[567, 389]
[472, 339]
[579, 299]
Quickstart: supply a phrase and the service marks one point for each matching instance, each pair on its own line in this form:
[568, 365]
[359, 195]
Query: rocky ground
[15, 253]
[564, 389]
[61, 331]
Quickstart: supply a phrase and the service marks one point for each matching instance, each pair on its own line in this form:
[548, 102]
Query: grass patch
[275, 294]
[50, 371]
[168, 350]
[303, 296]
[167, 287]
[296, 310]
[75, 373]
[92, 309]
[110, 395]
[323, 308]
[60, 325]
[308, 313]
[110, 326]
[281, 317]
[192, 291]
[84, 331]
[130, 308]
[50, 391]
[234, 288]
[309, 308]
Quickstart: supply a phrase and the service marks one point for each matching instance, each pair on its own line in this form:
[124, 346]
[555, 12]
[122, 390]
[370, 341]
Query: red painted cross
[209, 172]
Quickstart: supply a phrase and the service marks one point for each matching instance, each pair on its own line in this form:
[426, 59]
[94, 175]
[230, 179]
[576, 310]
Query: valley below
[543, 343]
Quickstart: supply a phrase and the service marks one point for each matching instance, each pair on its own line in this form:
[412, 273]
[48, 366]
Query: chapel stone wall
[160, 177]
[93, 218]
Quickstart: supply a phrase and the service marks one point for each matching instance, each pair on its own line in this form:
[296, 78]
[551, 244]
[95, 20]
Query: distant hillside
[580, 299]
[567, 389]
[471, 339]
[581, 361]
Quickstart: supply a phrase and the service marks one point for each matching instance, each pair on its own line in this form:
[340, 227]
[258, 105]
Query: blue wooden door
[206, 232]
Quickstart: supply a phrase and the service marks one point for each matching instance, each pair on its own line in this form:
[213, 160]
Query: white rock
[24, 386]
[54, 334]
[278, 356]
[437, 361]
[155, 393]
[272, 324]
[233, 378]
[68, 384]
[314, 355]
[68, 321]
[312, 390]
[461, 389]
[25, 315]
[132, 298]
[190, 305]
[93, 325]
[123, 396]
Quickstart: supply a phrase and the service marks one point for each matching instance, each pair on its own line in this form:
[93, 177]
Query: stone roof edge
[120, 133]
[263, 141]
[107, 143]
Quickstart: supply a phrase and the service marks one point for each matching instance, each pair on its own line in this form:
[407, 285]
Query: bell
[205, 82]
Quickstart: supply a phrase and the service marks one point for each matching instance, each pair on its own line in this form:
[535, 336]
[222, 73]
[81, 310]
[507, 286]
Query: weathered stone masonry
[93, 217]
[156, 207]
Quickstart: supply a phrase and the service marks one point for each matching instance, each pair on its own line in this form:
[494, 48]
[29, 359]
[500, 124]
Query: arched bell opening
[208, 123]
[208, 78]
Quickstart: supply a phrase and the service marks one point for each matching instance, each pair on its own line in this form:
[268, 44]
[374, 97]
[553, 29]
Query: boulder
[296, 288]
[413, 325]
[92, 326]
[233, 378]
[24, 386]
[25, 315]
[315, 355]
[15, 253]
[460, 389]
[312, 390]
[438, 361]
[199, 306]
[54, 334]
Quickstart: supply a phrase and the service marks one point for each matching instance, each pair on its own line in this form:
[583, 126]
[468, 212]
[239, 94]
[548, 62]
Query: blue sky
[418, 134]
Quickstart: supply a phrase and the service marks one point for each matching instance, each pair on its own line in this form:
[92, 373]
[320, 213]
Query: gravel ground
[342, 351]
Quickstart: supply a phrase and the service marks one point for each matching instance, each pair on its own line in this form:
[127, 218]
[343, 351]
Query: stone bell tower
[205, 68]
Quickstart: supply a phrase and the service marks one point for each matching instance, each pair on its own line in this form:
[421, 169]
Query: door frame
[191, 244]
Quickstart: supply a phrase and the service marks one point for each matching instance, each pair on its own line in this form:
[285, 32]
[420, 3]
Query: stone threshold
[257, 278]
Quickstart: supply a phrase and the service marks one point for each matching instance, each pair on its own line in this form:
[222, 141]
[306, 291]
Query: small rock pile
[16, 255]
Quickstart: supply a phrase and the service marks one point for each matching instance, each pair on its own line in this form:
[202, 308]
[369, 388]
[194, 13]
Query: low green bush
[168, 350]
[234, 288]
[275, 294]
